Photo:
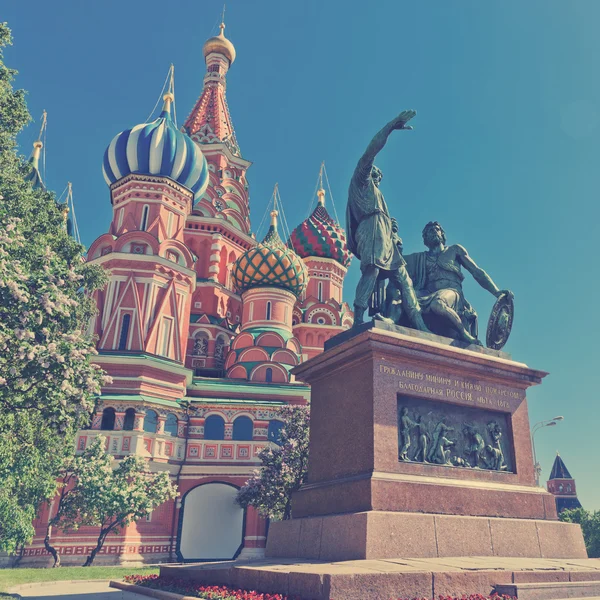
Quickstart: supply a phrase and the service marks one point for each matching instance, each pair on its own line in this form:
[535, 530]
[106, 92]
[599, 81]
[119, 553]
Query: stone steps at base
[550, 591]
[542, 579]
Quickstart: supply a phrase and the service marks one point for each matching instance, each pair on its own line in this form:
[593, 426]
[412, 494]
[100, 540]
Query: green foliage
[590, 525]
[12, 577]
[283, 470]
[111, 498]
[47, 381]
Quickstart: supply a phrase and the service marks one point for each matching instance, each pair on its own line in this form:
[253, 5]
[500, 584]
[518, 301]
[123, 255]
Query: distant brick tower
[562, 485]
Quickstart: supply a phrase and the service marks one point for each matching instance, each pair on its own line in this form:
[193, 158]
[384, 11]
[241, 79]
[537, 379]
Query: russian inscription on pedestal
[463, 391]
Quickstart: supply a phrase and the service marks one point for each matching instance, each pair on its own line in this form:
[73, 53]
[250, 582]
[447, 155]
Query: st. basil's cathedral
[199, 327]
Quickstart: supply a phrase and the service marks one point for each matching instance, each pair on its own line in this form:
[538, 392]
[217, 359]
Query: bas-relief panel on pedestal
[452, 435]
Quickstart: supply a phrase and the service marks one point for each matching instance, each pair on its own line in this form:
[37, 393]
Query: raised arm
[363, 169]
[480, 276]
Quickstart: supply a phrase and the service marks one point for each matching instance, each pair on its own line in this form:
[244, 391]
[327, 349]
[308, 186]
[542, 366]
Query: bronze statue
[496, 460]
[437, 277]
[421, 455]
[406, 424]
[438, 452]
[386, 301]
[496, 447]
[369, 230]
[475, 445]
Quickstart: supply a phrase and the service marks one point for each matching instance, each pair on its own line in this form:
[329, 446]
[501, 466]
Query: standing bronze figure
[369, 230]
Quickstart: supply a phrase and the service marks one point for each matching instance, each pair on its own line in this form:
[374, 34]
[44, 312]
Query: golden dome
[220, 44]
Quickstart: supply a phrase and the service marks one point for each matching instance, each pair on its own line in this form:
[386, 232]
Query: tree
[590, 525]
[111, 498]
[284, 468]
[65, 490]
[47, 380]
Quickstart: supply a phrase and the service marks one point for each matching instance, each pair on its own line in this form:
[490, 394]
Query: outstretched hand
[400, 122]
[507, 292]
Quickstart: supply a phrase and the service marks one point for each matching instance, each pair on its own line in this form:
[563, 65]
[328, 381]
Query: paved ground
[78, 591]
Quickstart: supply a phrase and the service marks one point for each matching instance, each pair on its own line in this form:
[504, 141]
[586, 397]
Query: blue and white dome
[157, 148]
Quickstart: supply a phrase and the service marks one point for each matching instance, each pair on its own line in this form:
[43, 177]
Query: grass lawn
[12, 577]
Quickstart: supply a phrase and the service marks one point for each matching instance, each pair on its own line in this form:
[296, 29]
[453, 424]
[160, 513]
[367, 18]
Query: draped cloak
[369, 225]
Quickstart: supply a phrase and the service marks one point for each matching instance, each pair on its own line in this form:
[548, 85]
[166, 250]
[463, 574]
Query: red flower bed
[213, 592]
[189, 588]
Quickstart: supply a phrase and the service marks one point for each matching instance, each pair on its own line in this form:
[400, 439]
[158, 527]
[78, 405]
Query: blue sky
[504, 152]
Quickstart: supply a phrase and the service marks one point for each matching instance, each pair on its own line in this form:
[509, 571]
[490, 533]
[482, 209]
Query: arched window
[274, 433]
[214, 428]
[268, 311]
[120, 222]
[243, 429]
[144, 222]
[320, 290]
[251, 311]
[171, 424]
[200, 345]
[108, 419]
[124, 332]
[150, 421]
[129, 421]
[269, 375]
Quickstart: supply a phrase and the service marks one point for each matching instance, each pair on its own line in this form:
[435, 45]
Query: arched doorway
[211, 526]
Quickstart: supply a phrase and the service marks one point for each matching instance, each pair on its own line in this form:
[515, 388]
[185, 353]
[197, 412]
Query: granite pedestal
[361, 501]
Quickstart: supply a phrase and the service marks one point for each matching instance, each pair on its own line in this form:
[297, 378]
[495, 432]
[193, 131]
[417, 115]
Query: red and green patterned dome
[321, 236]
[270, 263]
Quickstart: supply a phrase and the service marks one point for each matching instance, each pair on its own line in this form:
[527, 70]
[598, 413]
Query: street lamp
[534, 429]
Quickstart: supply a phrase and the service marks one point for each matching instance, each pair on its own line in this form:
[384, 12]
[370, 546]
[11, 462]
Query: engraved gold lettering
[438, 379]
[458, 389]
[420, 389]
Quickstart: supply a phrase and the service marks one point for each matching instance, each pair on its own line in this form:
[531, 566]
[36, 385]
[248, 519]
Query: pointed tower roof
[210, 121]
[559, 469]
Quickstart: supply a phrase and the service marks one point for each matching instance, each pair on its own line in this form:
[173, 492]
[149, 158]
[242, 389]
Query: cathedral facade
[199, 328]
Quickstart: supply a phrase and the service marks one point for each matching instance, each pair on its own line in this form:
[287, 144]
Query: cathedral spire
[210, 121]
[321, 190]
[34, 176]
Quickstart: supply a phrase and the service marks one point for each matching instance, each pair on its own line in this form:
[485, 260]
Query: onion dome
[34, 177]
[157, 148]
[321, 236]
[270, 263]
[219, 43]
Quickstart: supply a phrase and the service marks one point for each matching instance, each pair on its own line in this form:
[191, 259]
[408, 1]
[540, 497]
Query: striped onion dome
[321, 236]
[157, 148]
[270, 263]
